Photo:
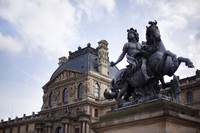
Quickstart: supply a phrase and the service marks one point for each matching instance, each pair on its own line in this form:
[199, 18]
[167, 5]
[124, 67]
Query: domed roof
[83, 60]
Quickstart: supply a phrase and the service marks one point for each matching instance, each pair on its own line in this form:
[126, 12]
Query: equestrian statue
[148, 63]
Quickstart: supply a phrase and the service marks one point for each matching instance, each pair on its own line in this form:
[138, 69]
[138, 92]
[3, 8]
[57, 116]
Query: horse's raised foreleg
[173, 67]
[175, 63]
[187, 61]
[162, 62]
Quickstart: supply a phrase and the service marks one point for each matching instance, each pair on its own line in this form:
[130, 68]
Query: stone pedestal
[159, 116]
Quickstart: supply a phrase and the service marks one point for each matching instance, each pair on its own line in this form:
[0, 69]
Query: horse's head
[152, 32]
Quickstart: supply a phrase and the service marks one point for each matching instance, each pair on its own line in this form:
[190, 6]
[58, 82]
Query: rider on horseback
[134, 54]
[132, 83]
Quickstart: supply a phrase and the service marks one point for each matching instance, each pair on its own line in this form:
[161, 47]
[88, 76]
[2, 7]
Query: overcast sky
[35, 33]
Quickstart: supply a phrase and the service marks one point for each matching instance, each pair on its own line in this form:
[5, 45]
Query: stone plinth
[159, 116]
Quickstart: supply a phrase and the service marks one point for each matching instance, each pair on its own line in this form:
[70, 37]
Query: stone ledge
[157, 111]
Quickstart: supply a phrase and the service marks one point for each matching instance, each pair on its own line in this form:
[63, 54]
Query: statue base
[157, 116]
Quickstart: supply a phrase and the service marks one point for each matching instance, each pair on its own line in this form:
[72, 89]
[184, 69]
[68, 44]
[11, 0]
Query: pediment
[65, 75]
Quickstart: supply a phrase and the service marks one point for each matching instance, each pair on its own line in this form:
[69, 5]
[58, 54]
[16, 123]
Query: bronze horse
[160, 62]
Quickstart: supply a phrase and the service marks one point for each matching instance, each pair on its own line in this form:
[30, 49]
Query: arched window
[80, 91]
[65, 95]
[51, 99]
[96, 91]
[58, 130]
[189, 96]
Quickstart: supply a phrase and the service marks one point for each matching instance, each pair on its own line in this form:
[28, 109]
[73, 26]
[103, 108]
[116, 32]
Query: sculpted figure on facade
[56, 95]
[45, 98]
[71, 91]
[148, 63]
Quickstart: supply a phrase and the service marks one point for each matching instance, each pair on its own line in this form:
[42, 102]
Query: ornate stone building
[73, 97]
[190, 90]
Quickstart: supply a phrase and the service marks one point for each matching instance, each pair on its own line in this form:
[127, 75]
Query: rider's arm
[120, 57]
[124, 51]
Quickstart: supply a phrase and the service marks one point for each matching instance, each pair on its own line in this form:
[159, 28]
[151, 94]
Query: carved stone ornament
[67, 75]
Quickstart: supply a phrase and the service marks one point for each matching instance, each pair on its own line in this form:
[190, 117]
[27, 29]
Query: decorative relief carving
[45, 101]
[72, 91]
[87, 85]
[66, 75]
[57, 94]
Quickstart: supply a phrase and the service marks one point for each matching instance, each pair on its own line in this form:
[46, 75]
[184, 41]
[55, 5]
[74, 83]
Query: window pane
[189, 96]
[96, 113]
[65, 95]
[96, 90]
[58, 130]
[51, 99]
[80, 91]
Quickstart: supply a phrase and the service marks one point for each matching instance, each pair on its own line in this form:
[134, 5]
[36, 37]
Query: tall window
[65, 95]
[96, 91]
[189, 96]
[51, 99]
[58, 130]
[96, 113]
[80, 91]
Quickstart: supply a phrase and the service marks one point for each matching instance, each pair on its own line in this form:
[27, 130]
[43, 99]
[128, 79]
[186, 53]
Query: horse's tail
[109, 95]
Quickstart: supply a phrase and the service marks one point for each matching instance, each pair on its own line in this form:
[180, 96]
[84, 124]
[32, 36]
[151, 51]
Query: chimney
[103, 57]
[62, 60]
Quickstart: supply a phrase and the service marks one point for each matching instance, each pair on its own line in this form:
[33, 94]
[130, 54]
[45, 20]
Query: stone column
[63, 127]
[49, 127]
[83, 127]
[66, 127]
[87, 127]
[84, 119]
[69, 127]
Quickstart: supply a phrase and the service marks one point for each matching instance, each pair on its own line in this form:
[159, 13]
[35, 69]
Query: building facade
[73, 97]
[190, 90]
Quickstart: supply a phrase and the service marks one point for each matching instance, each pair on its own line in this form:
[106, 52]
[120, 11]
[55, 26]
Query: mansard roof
[83, 60]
